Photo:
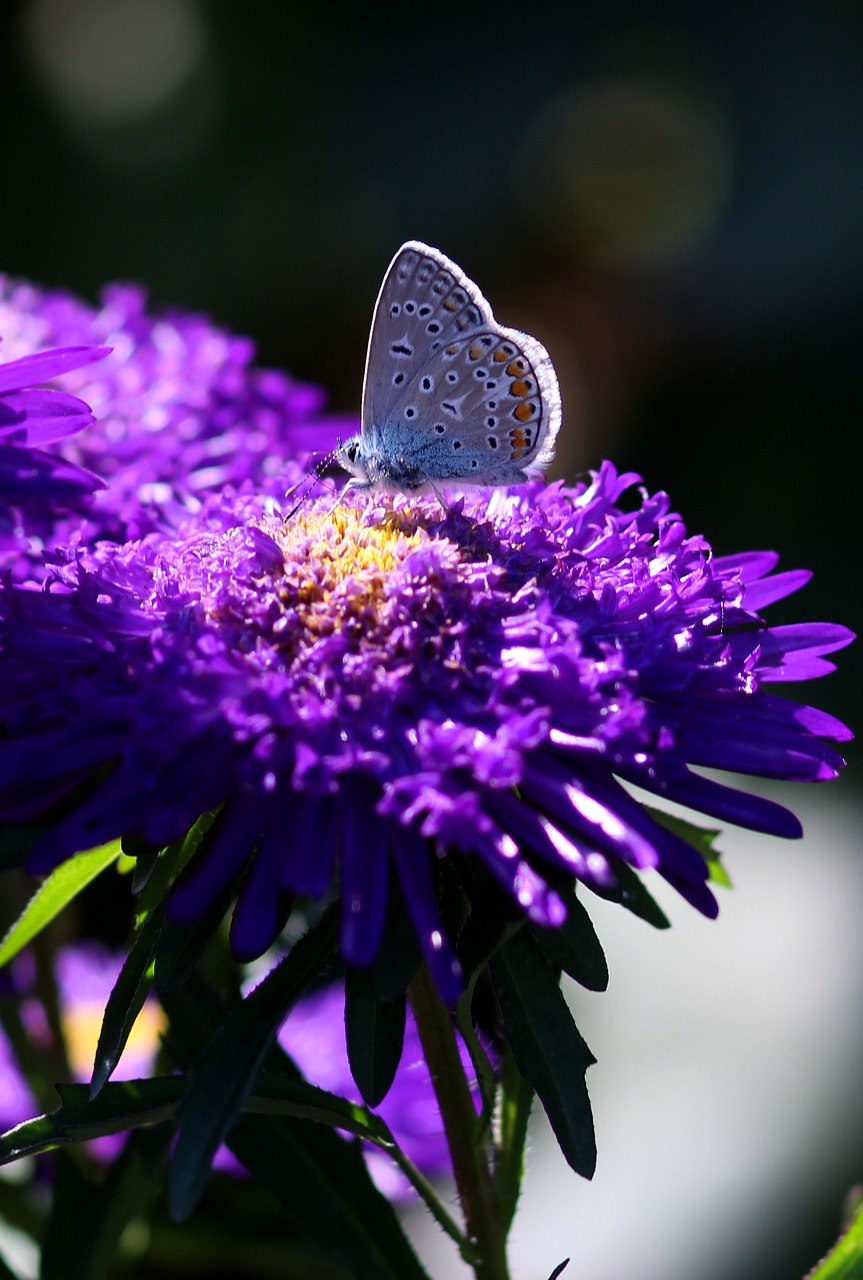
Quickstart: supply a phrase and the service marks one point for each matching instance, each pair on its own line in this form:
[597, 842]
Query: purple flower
[32, 416]
[181, 411]
[402, 693]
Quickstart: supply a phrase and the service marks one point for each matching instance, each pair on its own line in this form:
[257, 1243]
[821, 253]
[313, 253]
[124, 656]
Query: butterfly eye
[351, 451]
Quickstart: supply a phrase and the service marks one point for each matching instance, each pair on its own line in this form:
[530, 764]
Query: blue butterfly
[450, 395]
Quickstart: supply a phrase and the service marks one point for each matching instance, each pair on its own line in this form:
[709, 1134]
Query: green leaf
[845, 1259]
[55, 892]
[375, 1032]
[125, 1002]
[398, 956]
[180, 945]
[146, 863]
[224, 1077]
[701, 839]
[122, 1104]
[88, 1220]
[130, 1104]
[75, 1205]
[574, 947]
[631, 894]
[490, 922]
[278, 1094]
[486, 1075]
[284, 1095]
[319, 1180]
[152, 882]
[516, 1101]
[547, 1047]
[322, 1185]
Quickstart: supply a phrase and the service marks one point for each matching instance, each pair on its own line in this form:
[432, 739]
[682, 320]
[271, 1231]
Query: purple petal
[365, 866]
[212, 871]
[29, 371]
[769, 590]
[411, 855]
[38, 417]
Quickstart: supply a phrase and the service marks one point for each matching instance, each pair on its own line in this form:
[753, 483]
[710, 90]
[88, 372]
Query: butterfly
[449, 394]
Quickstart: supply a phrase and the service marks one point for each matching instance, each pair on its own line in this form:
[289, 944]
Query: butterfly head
[374, 466]
[349, 456]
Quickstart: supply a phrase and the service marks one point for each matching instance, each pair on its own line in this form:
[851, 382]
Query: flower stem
[469, 1158]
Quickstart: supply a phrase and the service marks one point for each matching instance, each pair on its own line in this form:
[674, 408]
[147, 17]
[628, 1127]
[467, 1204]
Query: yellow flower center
[336, 566]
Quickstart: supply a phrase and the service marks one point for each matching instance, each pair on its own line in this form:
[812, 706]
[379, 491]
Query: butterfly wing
[449, 390]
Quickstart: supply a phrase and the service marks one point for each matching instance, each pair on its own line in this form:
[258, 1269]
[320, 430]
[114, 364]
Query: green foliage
[239, 1089]
[375, 1031]
[125, 1002]
[546, 1044]
[701, 839]
[121, 1105]
[56, 892]
[845, 1259]
[575, 948]
[89, 1218]
[631, 894]
[224, 1076]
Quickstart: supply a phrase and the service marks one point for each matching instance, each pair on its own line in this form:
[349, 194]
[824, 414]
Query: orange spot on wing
[520, 442]
[520, 388]
[451, 304]
[525, 411]
[516, 367]
[476, 350]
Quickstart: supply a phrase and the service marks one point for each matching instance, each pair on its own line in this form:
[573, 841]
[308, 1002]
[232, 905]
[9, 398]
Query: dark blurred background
[668, 195]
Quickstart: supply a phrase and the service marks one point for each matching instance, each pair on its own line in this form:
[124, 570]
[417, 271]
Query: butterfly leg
[437, 493]
[353, 483]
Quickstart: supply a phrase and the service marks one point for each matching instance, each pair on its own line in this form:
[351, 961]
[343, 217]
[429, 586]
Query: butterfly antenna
[317, 477]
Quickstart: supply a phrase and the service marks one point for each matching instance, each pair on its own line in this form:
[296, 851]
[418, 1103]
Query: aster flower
[181, 411]
[32, 416]
[381, 685]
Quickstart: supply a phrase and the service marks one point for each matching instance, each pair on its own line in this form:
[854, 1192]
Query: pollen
[336, 566]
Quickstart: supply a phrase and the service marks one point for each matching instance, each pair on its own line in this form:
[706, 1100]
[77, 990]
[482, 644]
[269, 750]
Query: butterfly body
[450, 396]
